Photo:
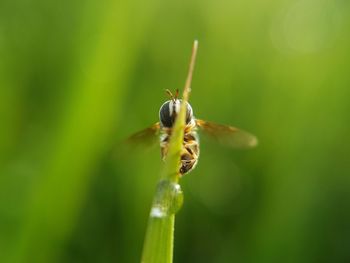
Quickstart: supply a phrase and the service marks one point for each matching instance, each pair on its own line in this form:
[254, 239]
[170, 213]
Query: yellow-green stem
[159, 240]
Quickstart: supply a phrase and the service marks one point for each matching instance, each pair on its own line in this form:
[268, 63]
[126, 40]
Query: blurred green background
[77, 77]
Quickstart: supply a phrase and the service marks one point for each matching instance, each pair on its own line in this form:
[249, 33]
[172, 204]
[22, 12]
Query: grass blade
[159, 240]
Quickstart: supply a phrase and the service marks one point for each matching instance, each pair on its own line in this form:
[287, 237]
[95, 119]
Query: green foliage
[158, 246]
[77, 77]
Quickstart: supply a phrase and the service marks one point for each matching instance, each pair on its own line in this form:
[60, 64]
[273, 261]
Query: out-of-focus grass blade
[84, 128]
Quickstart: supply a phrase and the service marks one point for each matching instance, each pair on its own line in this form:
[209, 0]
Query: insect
[226, 135]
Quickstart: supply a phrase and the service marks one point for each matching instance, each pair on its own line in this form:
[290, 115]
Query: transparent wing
[227, 135]
[146, 138]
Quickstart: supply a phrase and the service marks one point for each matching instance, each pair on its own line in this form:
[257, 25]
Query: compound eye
[164, 115]
[169, 110]
[189, 113]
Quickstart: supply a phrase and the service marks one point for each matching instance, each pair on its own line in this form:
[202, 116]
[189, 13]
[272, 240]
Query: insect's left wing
[228, 135]
[147, 137]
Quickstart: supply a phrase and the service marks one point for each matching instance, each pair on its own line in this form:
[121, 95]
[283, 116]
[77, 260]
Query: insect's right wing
[146, 138]
[228, 135]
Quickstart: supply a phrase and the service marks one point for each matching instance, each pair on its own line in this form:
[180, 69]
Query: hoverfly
[226, 135]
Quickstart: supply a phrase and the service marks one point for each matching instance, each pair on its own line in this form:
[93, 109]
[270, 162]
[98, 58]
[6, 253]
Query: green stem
[168, 199]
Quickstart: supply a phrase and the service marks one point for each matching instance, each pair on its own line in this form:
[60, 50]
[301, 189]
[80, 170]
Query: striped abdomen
[189, 152]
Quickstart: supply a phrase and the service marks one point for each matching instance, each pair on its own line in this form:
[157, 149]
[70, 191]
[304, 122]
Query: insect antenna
[171, 96]
[176, 94]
